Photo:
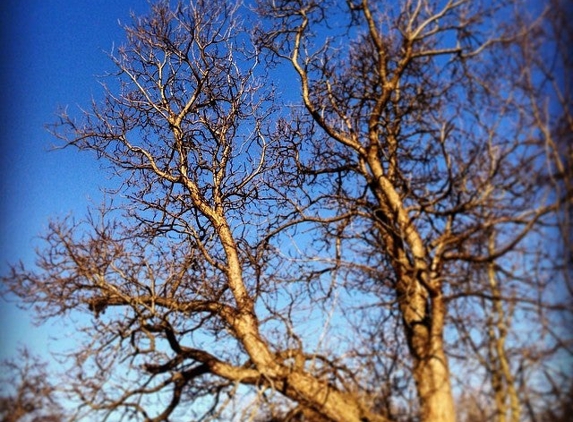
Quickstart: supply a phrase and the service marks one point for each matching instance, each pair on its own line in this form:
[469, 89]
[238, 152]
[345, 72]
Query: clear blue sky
[52, 52]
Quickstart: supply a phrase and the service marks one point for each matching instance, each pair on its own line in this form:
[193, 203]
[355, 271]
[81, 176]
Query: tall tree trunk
[419, 295]
[423, 322]
[503, 382]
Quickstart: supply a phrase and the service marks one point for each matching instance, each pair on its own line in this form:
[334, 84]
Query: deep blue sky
[52, 53]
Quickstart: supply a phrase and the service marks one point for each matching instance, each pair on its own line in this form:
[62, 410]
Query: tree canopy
[327, 211]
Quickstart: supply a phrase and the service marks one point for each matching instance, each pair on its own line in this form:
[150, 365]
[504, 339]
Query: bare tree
[341, 260]
[434, 145]
[27, 394]
[179, 276]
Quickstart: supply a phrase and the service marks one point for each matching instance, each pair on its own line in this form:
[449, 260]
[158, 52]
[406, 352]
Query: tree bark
[431, 371]
[420, 298]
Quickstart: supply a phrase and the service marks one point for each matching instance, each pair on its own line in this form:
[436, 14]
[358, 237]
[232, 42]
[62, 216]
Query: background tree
[348, 259]
[27, 394]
